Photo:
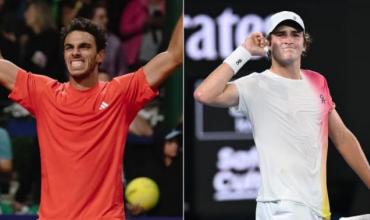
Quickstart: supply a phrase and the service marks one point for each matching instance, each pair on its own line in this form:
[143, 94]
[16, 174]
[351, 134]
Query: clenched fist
[255, 44]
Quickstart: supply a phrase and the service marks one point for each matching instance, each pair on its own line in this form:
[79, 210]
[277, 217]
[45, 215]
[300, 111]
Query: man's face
[80, 54]
[100, 18]
[287, 44]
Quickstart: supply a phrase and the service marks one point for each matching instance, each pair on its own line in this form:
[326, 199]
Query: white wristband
[238, 58]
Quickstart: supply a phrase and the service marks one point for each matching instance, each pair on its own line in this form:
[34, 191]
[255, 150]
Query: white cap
[172, 134]
[279, 17]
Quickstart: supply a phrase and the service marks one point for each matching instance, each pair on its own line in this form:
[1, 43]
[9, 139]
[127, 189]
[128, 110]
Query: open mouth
[77, 64]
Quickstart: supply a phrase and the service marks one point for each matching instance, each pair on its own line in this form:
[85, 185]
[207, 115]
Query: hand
[255, 44]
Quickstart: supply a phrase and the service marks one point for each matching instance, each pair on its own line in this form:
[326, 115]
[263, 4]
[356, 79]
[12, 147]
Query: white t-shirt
[290, 128]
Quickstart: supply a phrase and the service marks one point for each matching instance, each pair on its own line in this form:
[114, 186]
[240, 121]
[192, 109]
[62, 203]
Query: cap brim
[290, 23]
[172, 134]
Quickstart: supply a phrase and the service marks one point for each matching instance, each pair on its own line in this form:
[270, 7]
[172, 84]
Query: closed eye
[85, 46]
[68, 47]
[279, 33]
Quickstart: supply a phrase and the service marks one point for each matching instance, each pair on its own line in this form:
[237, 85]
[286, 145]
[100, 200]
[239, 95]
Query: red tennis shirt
[82, 136]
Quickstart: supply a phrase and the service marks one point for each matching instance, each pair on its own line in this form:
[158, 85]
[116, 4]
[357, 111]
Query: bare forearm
[351, 151]
[215, 90]
[163, 64]
[8, 73]
[176, 45]
[212, 91]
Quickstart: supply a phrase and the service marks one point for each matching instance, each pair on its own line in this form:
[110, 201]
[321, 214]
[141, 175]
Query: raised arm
[8, 73]
[349, 147]
[163, 64]
[215, 90]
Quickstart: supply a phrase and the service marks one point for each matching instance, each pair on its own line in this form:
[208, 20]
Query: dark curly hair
[83, 24]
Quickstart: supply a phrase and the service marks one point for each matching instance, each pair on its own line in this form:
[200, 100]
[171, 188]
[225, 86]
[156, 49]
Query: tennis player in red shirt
[82, 124]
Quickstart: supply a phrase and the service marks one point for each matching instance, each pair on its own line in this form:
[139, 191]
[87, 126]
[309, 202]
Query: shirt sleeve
[28, 89]
[136, 91]
[244, 86]
[330, 103]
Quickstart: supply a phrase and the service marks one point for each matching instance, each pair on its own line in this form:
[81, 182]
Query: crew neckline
[92, 89]
[277, 76]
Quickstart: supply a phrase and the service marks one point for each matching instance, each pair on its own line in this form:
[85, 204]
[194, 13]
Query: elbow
[197, 96]
[200, 97]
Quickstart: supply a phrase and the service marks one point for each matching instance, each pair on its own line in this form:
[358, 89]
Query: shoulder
[253, 77]
[36, 79]
[314, 77]
[43, 78]
[313, 74]
[132, 79]
[247, 84]
[248, 81]
[130, 75]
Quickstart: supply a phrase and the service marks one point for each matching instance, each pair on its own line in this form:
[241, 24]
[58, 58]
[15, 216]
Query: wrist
[238, 58]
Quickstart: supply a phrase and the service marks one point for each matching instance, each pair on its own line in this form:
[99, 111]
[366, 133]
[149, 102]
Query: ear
[304, 44]
[304, 48]
[268, 43]
[100, 56]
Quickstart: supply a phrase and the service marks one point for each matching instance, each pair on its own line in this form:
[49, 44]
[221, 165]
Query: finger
[258, 40]
[261, 42]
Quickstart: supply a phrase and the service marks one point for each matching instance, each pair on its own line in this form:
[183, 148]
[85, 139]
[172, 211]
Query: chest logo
[103, 106]
[322, 99]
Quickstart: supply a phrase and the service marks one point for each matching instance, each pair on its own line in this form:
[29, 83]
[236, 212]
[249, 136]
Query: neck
[290, 71]
[83, 83]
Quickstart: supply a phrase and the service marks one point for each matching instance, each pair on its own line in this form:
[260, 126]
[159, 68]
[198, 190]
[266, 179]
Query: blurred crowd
[29, 37]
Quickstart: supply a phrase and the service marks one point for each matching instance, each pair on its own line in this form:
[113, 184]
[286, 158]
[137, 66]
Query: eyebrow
[83, 44]
[286, 31]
